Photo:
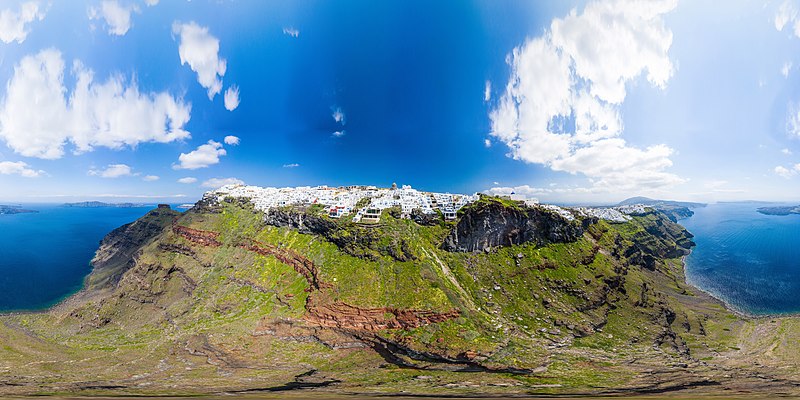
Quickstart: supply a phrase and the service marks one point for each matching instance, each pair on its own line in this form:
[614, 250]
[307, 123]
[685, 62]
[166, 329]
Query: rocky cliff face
[660, 239]
[300, 220]
[490, 224]
[118, 249]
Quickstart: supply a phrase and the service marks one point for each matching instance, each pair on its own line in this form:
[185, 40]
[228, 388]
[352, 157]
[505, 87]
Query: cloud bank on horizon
[596, 101]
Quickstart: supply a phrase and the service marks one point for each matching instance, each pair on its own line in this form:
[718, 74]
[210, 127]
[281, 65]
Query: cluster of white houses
[365, 203]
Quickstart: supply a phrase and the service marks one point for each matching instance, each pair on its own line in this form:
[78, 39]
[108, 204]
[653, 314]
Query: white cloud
[151, 3]
[612, 165]
[14, 24]
[216, 183]
[786, 152]
[339, 133]
[19, 168]
[112, 171]
[291, 31]
[187, 180]
[561, 105]
[338, 115]
[151, 178]
[205, 155]
[786, 14]
[785, 69]
[784, 172]
[231, 140]
[787, 172]
[533, 192]
[487, 143]
[293, 165]
[487, 91]
[232, 98]
[117, 17]
[793, 120]
[200, 50]
[38, 115]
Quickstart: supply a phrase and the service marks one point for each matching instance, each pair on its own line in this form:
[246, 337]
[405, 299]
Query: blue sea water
[749, 260]
[45, 256]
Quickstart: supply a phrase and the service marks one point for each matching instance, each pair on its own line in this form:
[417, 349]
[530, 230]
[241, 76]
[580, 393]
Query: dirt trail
[450, 277]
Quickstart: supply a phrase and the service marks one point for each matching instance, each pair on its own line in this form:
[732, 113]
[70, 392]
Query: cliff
[118, 250]
[225, 299]
[489, 224]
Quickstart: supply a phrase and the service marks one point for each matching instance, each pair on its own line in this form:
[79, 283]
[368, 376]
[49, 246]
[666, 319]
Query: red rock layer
[203, 238]
[301, 264]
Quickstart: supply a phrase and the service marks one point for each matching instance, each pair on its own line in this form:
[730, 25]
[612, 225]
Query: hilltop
[505, 298]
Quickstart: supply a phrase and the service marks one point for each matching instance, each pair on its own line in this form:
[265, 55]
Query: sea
[748, 260]
[45, 256]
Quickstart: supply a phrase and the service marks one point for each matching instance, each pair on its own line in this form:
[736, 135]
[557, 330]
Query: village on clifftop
[366, 203]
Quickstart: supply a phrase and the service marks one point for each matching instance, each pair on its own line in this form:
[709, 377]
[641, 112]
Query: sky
[584, 102]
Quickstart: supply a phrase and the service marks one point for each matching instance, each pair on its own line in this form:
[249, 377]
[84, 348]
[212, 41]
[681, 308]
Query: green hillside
[224, 299]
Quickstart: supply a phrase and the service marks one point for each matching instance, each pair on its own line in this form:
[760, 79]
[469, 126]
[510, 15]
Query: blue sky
[591, 102]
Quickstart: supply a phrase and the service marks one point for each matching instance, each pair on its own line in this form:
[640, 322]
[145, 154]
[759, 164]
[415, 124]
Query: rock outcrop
[118, 249]
[490, 224]
[661, 239]
[300, 220]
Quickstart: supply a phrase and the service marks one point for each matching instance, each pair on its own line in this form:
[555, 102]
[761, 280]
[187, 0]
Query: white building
[343, 201]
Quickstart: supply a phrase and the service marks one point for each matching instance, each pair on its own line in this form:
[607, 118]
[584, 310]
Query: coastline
[67, 299]
[728, 307]
[716, 299]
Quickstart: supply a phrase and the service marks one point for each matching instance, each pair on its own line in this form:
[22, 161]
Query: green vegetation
[608, 312]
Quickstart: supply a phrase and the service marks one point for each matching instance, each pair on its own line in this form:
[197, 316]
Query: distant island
[6, 209]
[100, 204]
[781, 210]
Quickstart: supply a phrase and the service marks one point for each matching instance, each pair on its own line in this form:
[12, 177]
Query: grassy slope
[575, 315]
